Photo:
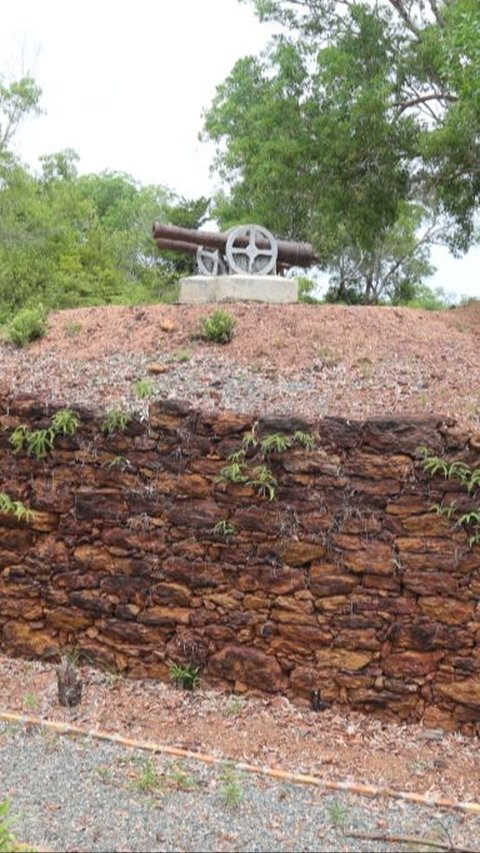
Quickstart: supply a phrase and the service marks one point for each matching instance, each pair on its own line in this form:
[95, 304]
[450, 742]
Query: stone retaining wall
[345, 582]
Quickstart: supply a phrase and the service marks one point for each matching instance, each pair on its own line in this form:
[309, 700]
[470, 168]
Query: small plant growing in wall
[116, 420]
[36, 443]
[185, 675]
[65, 422]
[467, 517]
[40, 442]
[224, 528]
[15, 508]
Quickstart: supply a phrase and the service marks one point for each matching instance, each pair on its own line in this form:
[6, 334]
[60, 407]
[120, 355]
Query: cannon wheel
[251, 249]
[210, 261]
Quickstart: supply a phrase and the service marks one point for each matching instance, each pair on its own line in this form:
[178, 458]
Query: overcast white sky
[124, 84]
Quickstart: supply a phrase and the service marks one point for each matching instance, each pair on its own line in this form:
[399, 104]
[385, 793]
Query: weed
[120, 462]
[116, 420]
[233, 472]
[30, 701]
[179, 777]
[144, 388]
[105, 774]
[8, 842]
[149, 779]
[185, 675]
[277, 442]
[224, 528]
[182, 356]
[305, 439]
[65, 422]
[72, 329]
[231, 787]
[337, 813]
[218, 327]
[469, 480]
[264, 482]
[234, 707]
[36, 443]
[16, 508]
[27, 325]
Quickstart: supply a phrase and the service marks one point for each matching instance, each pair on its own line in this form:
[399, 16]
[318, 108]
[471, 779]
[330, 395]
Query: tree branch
[422, 99]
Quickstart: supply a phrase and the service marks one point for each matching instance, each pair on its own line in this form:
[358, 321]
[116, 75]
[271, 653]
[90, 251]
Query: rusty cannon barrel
[246, 248]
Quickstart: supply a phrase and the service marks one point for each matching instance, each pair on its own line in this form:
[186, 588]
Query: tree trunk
[69, 684]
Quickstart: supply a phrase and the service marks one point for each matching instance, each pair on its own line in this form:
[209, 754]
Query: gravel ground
[77, 794]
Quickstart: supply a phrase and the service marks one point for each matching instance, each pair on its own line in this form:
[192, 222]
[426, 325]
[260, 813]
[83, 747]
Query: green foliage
[275, 443]
[144, 388]
[8, 842]
[15, 508]
[263, 480]
[358, 118]
[65, 422]
[116, 420]
[465, 517]
[27, 325]
[36, 443]
[224, 528]
[40, 442]
[232, 789]
[305, 439]
[218, 327]
[148, 779]
[185, 675]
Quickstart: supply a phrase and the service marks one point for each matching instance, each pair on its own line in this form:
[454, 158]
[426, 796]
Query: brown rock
[106, 504]
[67, 618]
[465, 692]
[171, 593]
[358, 639]
[272, 580]
[193, 513]
[256, 602]
[411, 664]
[297, 618]
[157, 367]
[44, 521]
[426, 583]
[334, 585]
[378, 465]
[296, 553]
[306, 635]
[94, 557]
[328, 605]
[165, 616]
[428, 524]
[25, 640]
[343, 659]
[92, 601]
[447, 610]
[375, 558]
[249, 665]
[24, 608]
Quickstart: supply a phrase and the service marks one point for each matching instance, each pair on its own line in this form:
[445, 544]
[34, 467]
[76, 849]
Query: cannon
[244, 249]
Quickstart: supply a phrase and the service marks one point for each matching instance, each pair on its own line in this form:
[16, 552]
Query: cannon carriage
[245, 249]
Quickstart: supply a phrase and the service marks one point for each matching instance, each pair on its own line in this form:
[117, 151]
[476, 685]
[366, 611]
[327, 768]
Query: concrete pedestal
[198, 289]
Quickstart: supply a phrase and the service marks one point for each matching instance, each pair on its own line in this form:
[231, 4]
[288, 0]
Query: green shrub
[218, 327]
[26, 326]
[185, 675]
[116, 420]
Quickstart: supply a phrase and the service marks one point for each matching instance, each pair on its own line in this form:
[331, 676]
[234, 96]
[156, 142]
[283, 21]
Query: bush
[218, 327]
[27, 325]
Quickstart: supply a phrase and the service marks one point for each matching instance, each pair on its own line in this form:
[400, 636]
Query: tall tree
[435, 68]
[18, 98]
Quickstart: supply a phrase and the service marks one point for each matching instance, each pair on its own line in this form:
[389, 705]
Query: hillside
[347, 361]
